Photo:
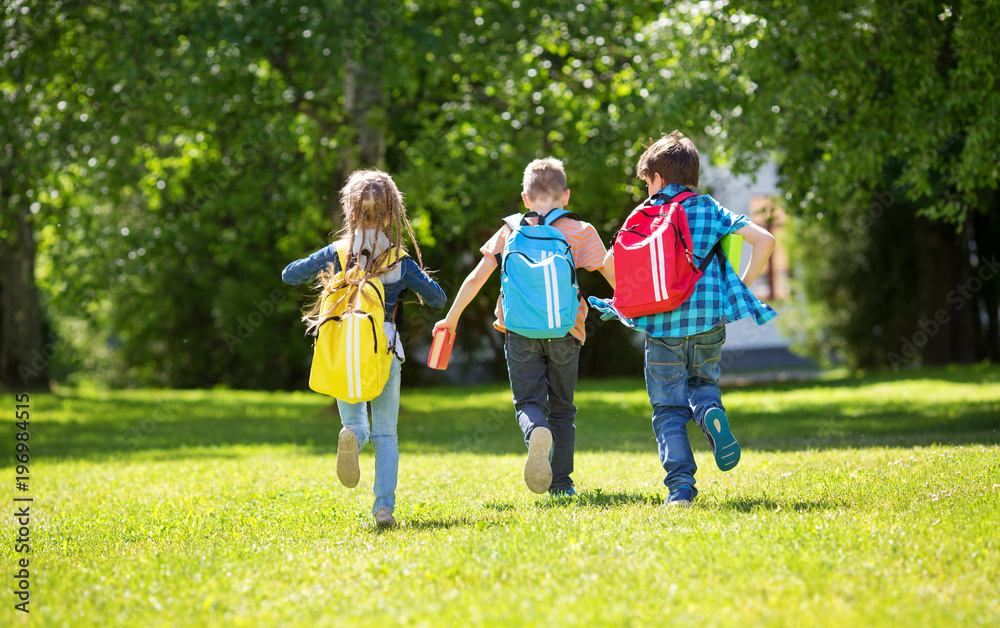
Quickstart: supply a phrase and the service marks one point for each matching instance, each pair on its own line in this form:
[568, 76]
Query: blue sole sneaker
[720, 437]
[682, 497]
[565, 493]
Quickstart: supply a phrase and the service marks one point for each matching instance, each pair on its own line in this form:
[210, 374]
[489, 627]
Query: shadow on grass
[447, 523]
[750, 504]
[186, 424]
[599, 499]
[499, 506]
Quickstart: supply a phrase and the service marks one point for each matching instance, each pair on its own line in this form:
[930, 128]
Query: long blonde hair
[369, 200]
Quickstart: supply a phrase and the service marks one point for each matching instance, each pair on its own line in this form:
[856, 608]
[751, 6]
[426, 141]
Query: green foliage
[859, 102]
[843, 91]
[858, 501]
[218, 151]
[857, 280]
[171, 170]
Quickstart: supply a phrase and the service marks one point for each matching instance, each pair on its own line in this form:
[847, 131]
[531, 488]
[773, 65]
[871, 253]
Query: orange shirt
[588, 253]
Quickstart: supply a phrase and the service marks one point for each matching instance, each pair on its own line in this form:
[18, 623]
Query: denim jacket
[406, 275]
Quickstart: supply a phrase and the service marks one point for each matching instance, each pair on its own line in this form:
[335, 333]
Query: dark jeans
[682, 379]
[543, 376]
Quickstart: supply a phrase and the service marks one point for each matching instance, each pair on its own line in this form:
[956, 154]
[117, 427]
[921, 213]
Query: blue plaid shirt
[719, 297]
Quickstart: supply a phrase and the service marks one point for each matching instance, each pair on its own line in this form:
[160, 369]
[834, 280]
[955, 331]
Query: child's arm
[762, 243]
[420, 282]
[307, 269]
[470, 288]
[609, 268]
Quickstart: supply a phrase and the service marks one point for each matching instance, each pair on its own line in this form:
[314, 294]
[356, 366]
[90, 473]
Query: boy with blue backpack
[543, 317]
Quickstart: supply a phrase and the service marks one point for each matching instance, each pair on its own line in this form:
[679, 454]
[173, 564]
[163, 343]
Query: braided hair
[369, 200]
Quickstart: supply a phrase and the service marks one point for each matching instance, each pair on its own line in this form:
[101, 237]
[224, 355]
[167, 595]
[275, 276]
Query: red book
[440, 349]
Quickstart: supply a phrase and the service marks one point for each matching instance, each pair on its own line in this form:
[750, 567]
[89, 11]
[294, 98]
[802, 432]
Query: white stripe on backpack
[658, 267]
[655, 268]
[663, 266]
[357, 354]
[551, 292]
[555, 293]
[348, 346]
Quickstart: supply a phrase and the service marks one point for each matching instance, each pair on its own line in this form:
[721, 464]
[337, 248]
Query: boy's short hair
[674, 158]
[544, 179]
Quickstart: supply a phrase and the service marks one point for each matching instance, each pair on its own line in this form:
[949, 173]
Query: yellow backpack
[352, 356]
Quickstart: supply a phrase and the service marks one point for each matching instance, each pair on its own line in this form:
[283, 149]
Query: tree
[38, 140]
[871, 109]
[232, 128]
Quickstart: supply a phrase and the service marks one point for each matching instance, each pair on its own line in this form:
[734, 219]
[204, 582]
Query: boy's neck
[543, 207]
[545, 212]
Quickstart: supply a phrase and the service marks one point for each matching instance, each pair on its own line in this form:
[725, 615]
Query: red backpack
[654, 266]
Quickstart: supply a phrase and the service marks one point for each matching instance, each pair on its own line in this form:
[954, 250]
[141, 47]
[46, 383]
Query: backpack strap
[555, 215]
[345, 260]
[516, 221]
[521, 220]
[716, 250]
[715, 253]
[680, 197]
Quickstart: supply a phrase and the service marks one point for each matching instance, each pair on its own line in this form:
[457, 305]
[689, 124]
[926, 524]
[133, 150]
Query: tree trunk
[945, 332]
[363, 95]
[987, 235]
[24, 361]
[371, 134]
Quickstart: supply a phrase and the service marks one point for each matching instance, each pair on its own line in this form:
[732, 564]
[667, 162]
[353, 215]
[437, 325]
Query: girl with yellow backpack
[356, 320]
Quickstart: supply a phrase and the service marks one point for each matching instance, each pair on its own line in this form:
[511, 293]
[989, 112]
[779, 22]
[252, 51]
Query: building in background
[748, 346]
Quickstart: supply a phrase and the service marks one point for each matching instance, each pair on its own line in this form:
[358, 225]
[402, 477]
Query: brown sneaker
[348, 471]
[537, 470]
[383, 519]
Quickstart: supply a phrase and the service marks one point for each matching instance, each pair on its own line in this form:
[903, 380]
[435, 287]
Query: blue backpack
[538, 289]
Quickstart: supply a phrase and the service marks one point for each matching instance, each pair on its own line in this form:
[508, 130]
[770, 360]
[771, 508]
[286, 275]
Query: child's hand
[447, 325]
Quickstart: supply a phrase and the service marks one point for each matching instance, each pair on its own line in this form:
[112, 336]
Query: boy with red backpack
[674, 285]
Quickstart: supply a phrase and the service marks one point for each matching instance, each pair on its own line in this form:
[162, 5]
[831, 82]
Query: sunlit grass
[857, 502]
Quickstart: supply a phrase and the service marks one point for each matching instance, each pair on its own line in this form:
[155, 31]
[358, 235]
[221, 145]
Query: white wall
[735, 192]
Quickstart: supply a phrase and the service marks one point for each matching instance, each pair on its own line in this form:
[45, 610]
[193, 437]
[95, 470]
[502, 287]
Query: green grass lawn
[858, 502]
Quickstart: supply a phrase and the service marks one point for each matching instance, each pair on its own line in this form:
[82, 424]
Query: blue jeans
[543, 376]
[682, 379]
[385, 414]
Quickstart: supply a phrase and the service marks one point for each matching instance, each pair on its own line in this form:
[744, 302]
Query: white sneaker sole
[348, 471]
[384, 520]
[679, 503]
[537, 470]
